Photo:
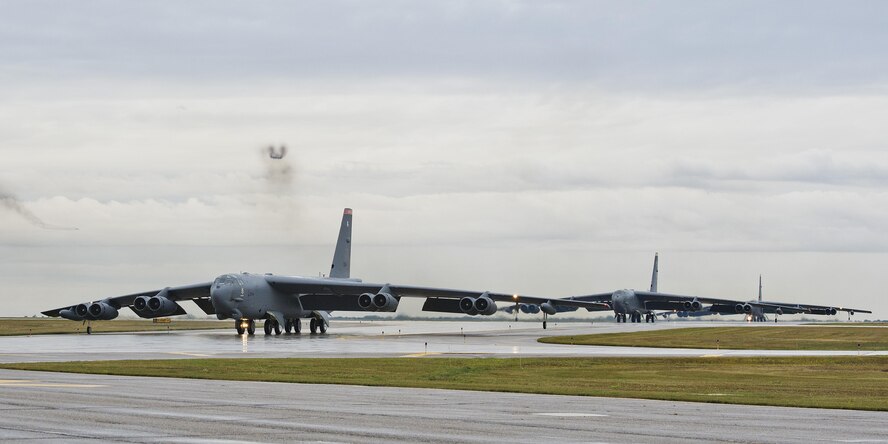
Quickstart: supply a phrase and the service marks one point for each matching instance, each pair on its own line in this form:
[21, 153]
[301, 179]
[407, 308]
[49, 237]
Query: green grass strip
[826, 382]
[741, 338]
[44, 326]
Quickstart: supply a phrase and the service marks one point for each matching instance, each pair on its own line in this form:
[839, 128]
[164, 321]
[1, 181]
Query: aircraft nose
[222, 296]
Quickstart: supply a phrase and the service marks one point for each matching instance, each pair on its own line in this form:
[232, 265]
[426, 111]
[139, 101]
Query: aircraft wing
[818, 309]
[666, 301]
[320, 293]
[196, 292]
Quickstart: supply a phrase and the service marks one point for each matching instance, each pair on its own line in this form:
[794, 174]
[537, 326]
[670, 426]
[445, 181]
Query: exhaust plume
[10, 202]
[278, 172]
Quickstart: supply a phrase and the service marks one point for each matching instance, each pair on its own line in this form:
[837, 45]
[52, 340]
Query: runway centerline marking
[35, 383]
[572, 415]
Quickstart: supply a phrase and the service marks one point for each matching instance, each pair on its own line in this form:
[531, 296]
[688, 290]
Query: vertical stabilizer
[341, 267]
[760, 288]
[654, 274]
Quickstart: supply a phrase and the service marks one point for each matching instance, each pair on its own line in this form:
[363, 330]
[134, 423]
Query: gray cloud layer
[584, 134]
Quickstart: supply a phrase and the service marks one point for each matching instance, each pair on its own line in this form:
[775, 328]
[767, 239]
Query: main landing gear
[633, 317]
[650, 317]
[272, 325]
[294, 325]
[317, 324]
[242, 325]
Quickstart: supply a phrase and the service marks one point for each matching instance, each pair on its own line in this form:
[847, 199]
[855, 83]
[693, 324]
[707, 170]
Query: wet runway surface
[54, 407]
[361, 339]
[50, 407]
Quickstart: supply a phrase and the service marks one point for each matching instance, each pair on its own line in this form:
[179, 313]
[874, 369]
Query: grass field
[741, 338]
[43, 326]
[827, 382]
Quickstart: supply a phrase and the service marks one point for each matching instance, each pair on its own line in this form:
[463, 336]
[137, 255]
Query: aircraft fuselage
[249, 296]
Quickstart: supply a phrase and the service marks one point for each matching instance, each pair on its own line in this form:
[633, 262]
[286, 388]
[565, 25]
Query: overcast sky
[546, 148]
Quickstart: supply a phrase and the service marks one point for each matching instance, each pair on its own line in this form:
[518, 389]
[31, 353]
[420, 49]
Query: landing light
[515, 297]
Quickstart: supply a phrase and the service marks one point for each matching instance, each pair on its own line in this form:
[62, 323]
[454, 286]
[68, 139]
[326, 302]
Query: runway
[53, 407]
[364, 339]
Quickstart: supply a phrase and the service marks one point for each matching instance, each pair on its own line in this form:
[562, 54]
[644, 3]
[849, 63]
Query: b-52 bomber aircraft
[633, 304]
[285, 300]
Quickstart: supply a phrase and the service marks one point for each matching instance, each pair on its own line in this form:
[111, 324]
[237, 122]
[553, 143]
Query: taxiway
[54, 407]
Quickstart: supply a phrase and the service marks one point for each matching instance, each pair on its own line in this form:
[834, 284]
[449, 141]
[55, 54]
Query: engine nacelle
[384, 302]
[467, 305]
[161, 306]
[832, 311]
[82, 310]
[365, 301]
[694, 305]
[743, 308]
[548, 308]
[141, 303]
[530, 308]
[778, 311]
[70, 314]
[101, 311]
[485, 306]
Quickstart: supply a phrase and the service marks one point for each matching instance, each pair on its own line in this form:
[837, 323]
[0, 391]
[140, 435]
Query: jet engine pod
[70, 314]
[365, 301]
[530, 308]
[778, 311]
[161, 306]
[82, 310]
[747, 308]
[141, 303]
[385, 302]
[742, 308]
[102, 311]
[832, 311]
[548, 308]
[467, 305]
[485, 306]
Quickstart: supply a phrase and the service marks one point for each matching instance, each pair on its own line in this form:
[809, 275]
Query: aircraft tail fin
[760, 288]
[341, 267]
[654, 274]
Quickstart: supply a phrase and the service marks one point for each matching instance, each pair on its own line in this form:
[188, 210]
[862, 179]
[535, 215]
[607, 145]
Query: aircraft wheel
[276, 327]
[297, 326]
[288, 325]
[89, 329]
[322, 326]
[544, 325]
[251, 327]
[313, 326]
[267, 326]
[238, 326]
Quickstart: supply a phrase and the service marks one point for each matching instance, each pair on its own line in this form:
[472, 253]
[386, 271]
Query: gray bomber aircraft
[634, 304]
[755, 310]
[285, 300]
